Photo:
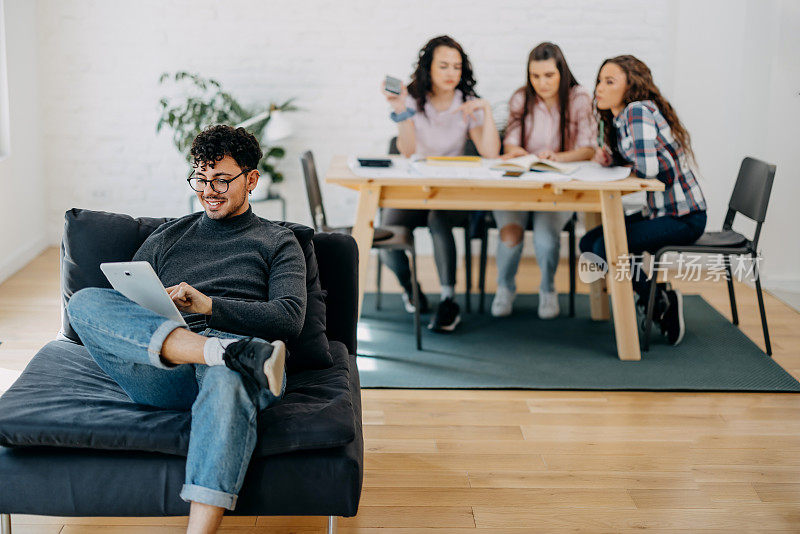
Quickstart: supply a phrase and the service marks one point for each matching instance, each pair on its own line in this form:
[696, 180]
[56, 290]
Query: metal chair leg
[468, 267]
[762, 310]
[5, 524]
[572, 270]
[378, 283]
[731, 294]
[482, 269]
[332, 520]
[415, 296]
[648, 322]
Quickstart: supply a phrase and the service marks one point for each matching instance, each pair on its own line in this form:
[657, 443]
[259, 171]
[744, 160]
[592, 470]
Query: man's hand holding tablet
[189, 300]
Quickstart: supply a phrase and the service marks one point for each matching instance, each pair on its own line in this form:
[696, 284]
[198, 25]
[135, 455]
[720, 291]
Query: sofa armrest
[337, 257]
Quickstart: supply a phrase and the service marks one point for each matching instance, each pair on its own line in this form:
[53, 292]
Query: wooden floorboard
[460, 461]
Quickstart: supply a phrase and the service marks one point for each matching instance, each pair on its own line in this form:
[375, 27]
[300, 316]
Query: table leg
[598, 293]
[363, 231]
[618, 278]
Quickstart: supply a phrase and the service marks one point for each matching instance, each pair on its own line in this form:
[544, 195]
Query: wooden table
[604, 198]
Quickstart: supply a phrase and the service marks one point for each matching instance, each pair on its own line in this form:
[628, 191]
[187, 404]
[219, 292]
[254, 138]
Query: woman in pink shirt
[435, 116]
[551, 116]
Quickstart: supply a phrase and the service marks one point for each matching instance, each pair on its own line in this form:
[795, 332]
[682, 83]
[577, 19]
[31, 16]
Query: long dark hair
[543, 52]
[640, 87]
[421, 83]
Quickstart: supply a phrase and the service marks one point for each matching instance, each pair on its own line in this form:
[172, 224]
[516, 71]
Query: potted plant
[202, 102]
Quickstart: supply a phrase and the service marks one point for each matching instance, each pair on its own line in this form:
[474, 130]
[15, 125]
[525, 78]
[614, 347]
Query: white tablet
[139, 282]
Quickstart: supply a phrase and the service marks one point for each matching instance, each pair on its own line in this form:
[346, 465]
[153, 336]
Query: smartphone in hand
[393, 85]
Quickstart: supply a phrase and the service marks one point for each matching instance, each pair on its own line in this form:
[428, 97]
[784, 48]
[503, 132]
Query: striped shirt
[645, 140]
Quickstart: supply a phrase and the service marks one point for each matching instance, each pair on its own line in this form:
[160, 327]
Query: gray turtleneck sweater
[253, 270]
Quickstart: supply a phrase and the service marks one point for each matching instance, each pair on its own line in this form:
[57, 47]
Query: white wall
[22, 216]
[736, 86]
[103, 60]
[100, 61]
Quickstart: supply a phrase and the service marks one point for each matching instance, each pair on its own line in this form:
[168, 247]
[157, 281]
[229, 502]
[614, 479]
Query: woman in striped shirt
[642, 130]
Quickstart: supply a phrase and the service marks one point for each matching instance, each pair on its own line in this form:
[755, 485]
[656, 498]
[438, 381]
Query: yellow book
[459, 161]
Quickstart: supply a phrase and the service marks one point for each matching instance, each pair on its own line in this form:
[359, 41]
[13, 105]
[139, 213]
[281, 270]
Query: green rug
[524, 352]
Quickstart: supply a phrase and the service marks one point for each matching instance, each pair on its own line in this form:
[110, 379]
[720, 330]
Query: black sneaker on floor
[447, 316]
[659, 302]
[671, 323]
[408, 302]
[259, 361]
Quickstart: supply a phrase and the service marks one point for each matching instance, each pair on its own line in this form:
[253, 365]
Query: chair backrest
[313, 191]
[751, 194]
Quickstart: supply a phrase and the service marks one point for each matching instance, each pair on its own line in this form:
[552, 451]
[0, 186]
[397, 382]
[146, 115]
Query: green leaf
[275, 152]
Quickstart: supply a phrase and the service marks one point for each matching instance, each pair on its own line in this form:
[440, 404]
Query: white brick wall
[728, 65]
[100, 62]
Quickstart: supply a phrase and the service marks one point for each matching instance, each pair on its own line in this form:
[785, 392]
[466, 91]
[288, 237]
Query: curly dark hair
[421, 83]
[220, 140]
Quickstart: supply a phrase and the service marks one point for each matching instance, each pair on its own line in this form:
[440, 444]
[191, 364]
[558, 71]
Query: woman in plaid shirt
[639, 128]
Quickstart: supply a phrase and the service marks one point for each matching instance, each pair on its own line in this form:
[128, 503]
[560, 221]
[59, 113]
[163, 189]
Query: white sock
[214, 349]
[448, 292]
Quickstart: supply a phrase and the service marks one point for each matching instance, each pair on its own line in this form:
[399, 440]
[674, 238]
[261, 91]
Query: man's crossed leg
[157, 362]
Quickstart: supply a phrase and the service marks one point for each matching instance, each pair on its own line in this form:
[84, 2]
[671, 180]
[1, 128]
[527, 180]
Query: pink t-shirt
[442, 133]
[543, 132]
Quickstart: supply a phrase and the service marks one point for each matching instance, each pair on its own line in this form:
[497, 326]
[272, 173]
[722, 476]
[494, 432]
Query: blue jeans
[125, 340]
[649, 235]
[547, 227]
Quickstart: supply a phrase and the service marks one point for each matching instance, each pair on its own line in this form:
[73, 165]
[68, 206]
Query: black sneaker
[447, 316]
[408, 302]
[659, 302]
[671, 323]
[259, 361]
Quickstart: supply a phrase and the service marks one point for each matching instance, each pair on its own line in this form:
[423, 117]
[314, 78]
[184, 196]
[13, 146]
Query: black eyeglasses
[219, 185]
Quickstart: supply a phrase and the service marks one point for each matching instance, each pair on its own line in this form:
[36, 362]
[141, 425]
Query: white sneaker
[548, 306]
[275, 367]
[503, 302]
[407, 304]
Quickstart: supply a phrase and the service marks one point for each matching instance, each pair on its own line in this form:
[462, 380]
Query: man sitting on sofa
[233, 275]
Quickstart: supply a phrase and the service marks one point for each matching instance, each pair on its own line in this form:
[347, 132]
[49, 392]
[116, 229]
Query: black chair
[469, 233]
[750, 197]
[486, 222]
[385, 238]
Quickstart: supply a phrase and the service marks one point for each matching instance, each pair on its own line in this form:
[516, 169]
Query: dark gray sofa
[73, 444]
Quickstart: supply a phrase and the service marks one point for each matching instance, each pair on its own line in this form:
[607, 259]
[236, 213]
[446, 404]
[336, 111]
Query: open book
[532, 163]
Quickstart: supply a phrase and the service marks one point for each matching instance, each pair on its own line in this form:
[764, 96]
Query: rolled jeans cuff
[192, 493]
[157, 341]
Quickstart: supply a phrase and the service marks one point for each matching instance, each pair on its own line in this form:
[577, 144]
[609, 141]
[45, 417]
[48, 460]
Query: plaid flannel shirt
[645, 140]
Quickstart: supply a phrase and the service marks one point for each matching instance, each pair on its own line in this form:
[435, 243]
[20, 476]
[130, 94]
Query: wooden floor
[523, 461]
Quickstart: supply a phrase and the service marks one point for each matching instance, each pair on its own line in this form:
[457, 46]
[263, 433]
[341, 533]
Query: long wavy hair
[421, 83]
[640, 87]
[543, 52]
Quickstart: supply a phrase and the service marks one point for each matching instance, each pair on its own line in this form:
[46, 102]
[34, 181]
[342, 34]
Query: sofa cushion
[310, 349]
[63, 399]
[93, 237]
